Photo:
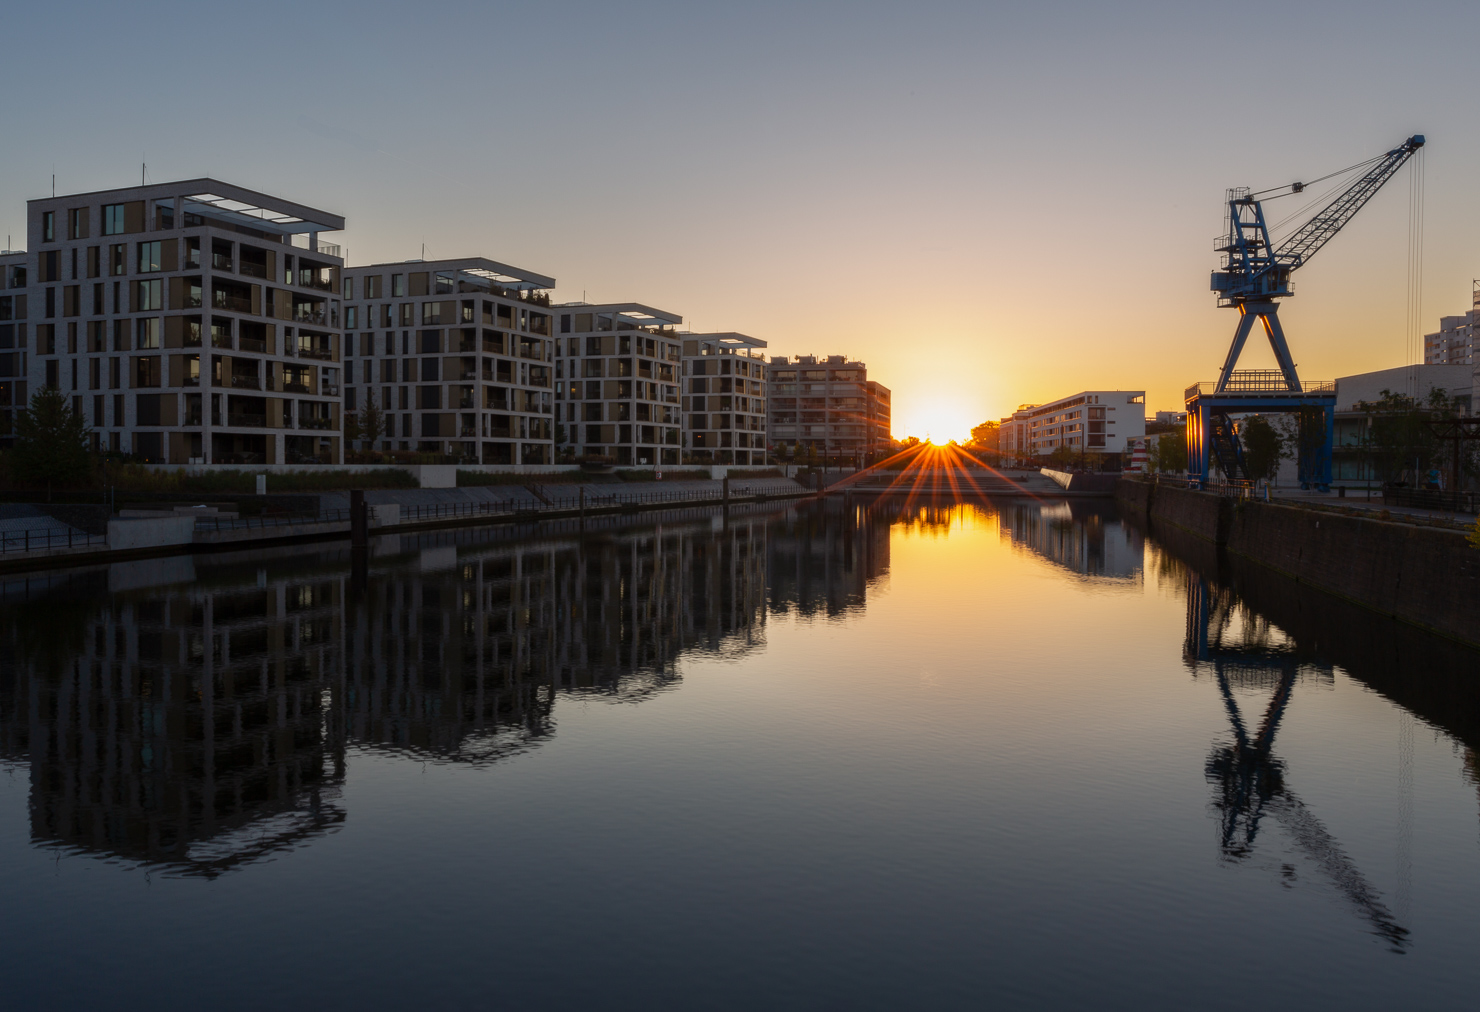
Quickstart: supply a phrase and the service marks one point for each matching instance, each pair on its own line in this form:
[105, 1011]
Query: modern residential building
[459, 356]
[13, 341]
[1096, 422]
[188, 322]
[617, 375]
[828, 407]
[1454, 343]
[724, 399]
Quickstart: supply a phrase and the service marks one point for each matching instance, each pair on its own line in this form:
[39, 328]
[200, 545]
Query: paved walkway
[1357, 499]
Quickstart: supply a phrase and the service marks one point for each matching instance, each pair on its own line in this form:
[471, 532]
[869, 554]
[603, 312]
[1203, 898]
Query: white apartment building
[616, 376]
[724, 399]
[1093, 421]
[457, 354]
[188, 322]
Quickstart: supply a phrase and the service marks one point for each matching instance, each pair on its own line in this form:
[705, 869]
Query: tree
[985, 436]
[1264, 447]
[370, 419]
[51, 442]
[1397, 441]
[1062, 457]
[1168, 451]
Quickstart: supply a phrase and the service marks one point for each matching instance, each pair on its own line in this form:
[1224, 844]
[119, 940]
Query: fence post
[583, 504]
[359, 520]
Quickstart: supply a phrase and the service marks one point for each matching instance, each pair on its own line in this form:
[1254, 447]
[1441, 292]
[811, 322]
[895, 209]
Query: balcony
[241, 420]
[246, 383]
[221, 263]
[231, 303]
[303, 314]
[315, 351]
[315, 423]
[251, 270]
[292, 387]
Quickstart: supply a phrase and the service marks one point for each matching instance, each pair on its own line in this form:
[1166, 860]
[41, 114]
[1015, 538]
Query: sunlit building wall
[828, 407]
[1092, 422]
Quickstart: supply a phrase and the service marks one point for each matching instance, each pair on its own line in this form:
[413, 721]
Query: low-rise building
[724, 399]
[617, 376]
[188, 322]
[459, 355]
[1351, 460]
[1096, 423]
[828, 408]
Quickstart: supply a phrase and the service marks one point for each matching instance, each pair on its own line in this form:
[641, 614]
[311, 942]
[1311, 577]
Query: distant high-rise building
[828, 407]
[1454, 343]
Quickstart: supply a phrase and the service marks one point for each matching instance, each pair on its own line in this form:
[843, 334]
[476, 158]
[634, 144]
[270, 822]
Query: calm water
[836, 757]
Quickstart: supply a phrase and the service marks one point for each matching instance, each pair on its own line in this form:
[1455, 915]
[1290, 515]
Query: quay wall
[1424, 576]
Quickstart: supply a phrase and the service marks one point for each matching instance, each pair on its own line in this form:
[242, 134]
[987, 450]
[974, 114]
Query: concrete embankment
[1428, 577]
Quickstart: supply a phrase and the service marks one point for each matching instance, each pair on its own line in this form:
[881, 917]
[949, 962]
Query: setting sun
[941, 422]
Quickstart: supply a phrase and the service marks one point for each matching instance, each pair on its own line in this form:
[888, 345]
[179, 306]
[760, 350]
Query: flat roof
[481, 268]
[729, 339]
[227, 201]
[637, 312]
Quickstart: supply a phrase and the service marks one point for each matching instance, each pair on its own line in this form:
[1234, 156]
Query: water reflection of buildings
[200, 721]
[188, 727]
[459, 652]
[1086, 537]
[823, 557]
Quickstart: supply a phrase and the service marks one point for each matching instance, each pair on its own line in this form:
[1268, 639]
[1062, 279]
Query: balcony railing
[319, 353]
[322, 284]
[237, 419]
[309, 315]
[296, 388]
[221, 263]
[251, 270]
[246, 382]
[315, 423]
[230, 303]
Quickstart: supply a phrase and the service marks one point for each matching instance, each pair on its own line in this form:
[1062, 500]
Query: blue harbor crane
[1254, 273]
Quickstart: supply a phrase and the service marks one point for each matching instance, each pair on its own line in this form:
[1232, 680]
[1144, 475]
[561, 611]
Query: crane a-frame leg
[1266, 313]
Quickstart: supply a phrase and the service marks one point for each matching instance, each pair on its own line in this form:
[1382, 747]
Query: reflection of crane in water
[1249, 779]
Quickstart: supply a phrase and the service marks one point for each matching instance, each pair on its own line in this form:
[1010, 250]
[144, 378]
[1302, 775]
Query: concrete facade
[191, 321]
[828, 407]
[724, 399]
[13, 342]
[457, 354]
[617, 371]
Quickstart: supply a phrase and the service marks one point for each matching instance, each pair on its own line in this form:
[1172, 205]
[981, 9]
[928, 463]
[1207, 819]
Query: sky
[988, 204]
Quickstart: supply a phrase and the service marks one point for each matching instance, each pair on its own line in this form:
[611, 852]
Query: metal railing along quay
[43, 538]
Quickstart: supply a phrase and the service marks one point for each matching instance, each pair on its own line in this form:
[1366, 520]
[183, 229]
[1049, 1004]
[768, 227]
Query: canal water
[827, 756]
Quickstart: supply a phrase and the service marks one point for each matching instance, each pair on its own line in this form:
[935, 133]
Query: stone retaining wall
[1425, 576]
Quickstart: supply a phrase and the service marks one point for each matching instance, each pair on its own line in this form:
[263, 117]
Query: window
[146, 371]
[77, 223]
[398, 286]
[444, 283]
[113, 219]
[431, 312]
[116, 261]
[146, 333]
[351, 317]
[48, 229]
[149, 257]
[148, 295]
[372, 287]
[349, 288]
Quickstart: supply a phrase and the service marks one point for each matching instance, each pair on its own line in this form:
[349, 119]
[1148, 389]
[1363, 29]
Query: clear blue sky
[988, 204]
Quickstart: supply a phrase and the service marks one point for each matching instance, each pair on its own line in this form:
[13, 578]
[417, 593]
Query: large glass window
[146, 333]
[48, 226]
[113, 219]
[148, 296]
[149, 257]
